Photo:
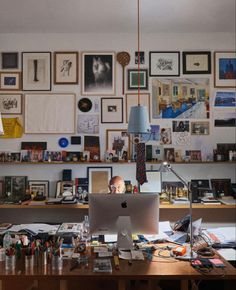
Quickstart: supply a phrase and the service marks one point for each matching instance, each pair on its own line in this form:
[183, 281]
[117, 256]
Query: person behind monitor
[117, 185]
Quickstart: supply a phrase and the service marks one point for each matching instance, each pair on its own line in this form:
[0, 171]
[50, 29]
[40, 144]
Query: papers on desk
[70, 228]
[131, 255]
[221, 235]
[35, 229]
[228, 254]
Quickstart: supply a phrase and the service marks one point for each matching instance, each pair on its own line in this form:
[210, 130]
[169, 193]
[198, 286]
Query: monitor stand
[124, 236]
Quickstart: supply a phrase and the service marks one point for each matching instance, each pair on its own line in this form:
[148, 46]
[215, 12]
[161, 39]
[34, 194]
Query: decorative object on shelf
[225, 69]
[133, 79]
[85, 105]
[112, 110]
[66, 67]
[11, 104]
[98, 178]
[63, 142]
[119, 141]
[10, 81]
[164, 63]
[9, 60]
[123, 59]
[196, 62]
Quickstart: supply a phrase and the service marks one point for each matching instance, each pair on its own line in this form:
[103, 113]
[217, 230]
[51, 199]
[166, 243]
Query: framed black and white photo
[133, 79]
[132, 100]
[36, 69]
[99, 178]
[141, 55]
[11, 104]
[111, 110]
[98, 73]
[164, 63]
[66, 68]
[196, 62]
[200, 128]
[10, 81]
[39, 188]
[9, 60]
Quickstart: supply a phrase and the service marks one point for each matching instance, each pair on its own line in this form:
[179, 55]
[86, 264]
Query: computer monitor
[124, 215]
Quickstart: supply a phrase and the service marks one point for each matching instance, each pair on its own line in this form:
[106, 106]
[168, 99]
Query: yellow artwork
[12, 128]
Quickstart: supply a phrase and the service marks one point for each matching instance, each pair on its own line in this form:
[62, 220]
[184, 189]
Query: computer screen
[123, 214]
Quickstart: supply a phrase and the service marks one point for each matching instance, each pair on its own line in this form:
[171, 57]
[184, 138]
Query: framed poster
[111, 110]
[133, 79]
[10, 81]
[164, 63]
[225, 69]
[196, 62]
[36, 69]
[9, 60]
[58, 118]
[119, 141]
[132, 100]
[99, 178]
[98, 73]
[11, 104]
[66, 68]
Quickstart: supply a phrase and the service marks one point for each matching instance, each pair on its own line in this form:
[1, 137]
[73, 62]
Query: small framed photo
[39, 188]
[66, 68]
[133, 82]
[9, 60]
[10, 81]
[200, 128]
[119, 141]
[164, 63]
[15, 185]
[99, 178]
[36, 68]
[132, 100]
[225, 69]
[141, 55]
[98, 73]
[196, 62]
[194, 155]
[111, 110]
[11, 104]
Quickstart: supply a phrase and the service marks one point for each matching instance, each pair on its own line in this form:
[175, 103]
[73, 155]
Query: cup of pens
[29, 261]
[57, 262]
[10, 259]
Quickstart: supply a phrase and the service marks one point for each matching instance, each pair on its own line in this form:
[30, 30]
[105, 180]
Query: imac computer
[124, 215]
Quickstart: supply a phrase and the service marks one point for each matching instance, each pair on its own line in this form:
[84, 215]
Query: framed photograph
[99, 178]
[92, 145]
[10, 81]
[200, 128]
[196, 62]
[11, 104]
[132, 100]
[164, 63]
[133, 79]
[98, 73]
[141, 56]
[39, 188]
[36, 68]
[225, 99]
[225, 69]
[66, 67]
[9, 60]
[111, 110]
[221, 187]
[154, 182]
[15, 185]
[194, 155]
[119, 141]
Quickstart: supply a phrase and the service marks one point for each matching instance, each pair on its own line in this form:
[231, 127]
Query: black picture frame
[196, 62]
[132, 82]
[15, 186]
[10, 60]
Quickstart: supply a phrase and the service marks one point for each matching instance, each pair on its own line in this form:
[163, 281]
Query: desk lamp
[1, 126]
[166, 167]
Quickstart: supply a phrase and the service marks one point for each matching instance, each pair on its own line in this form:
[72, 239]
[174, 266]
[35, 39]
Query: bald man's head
[117, 185]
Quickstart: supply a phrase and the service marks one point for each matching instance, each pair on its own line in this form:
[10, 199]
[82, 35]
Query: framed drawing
[11, 104]
[132, 100]
[88, 123]
[196, 62]
[9, 60]
[10, 81]
[58, 118]
[164, 63]
[39, 188]
[200, 128]
[133, 79]
[15, 185]
[225, 69]
[36, 68]
[111, 110]
[118, 140]
[98, 73]
[66, 67]
[99, 178]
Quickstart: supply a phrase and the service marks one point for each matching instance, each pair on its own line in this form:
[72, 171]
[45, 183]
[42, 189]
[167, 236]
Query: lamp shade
[1, 126]
[138, 120]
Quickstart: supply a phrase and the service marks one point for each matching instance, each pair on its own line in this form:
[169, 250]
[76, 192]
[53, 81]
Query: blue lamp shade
[138, 120]
[1, 126]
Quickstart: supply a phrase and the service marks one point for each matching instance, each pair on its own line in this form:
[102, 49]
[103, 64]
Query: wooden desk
[152, 271]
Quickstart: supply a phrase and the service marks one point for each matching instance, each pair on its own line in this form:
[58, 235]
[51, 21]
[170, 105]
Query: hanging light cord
[138, 53]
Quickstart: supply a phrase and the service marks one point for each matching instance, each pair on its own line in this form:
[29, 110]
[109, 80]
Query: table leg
[184, 284]
[121, 284]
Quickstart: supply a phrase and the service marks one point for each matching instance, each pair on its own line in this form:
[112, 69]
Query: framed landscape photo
[36, 69]
[111, 110]
[11, 104]
[9, 60]
[196, 62]
[225, 69]
[98, 73]
[132, 100]
[164, 63]
[98, 178]
[66, 67]
[10, 81]
[133, 79]
[119, 141]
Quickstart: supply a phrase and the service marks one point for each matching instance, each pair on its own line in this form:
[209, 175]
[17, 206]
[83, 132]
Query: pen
[116, 262]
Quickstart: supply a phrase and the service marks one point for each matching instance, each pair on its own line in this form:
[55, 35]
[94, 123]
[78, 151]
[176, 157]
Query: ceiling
[119, 16]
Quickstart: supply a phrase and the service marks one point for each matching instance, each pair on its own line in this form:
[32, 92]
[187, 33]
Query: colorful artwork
[225, 99]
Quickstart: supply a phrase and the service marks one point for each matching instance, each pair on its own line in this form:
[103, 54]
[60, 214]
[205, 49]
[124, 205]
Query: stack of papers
[223, 235]
[35, 229]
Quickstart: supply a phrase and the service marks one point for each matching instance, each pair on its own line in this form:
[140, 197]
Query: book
[210, 200]
[102, 265]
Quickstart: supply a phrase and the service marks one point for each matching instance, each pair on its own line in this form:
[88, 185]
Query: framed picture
[132, 100]
[99, 178]
[88, 123]
[66, 68]
[196, 62]
[111, 110]
[36, 68]
[39, 188]
[153, 183]
[200, 128]
[98, 73]
[194, 155]
[164, 63]
[133, 79]
[9, 60]
[11, 104]
[15, 185]
[1, 189]
[119, 141]
[225, 69]
[10, 81]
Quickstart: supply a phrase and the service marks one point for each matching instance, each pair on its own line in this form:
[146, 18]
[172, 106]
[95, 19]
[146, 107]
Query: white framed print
[164, 63]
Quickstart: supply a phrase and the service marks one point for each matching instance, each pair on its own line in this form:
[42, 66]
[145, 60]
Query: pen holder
[57, 262]
[29, 261]
[10, 262]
